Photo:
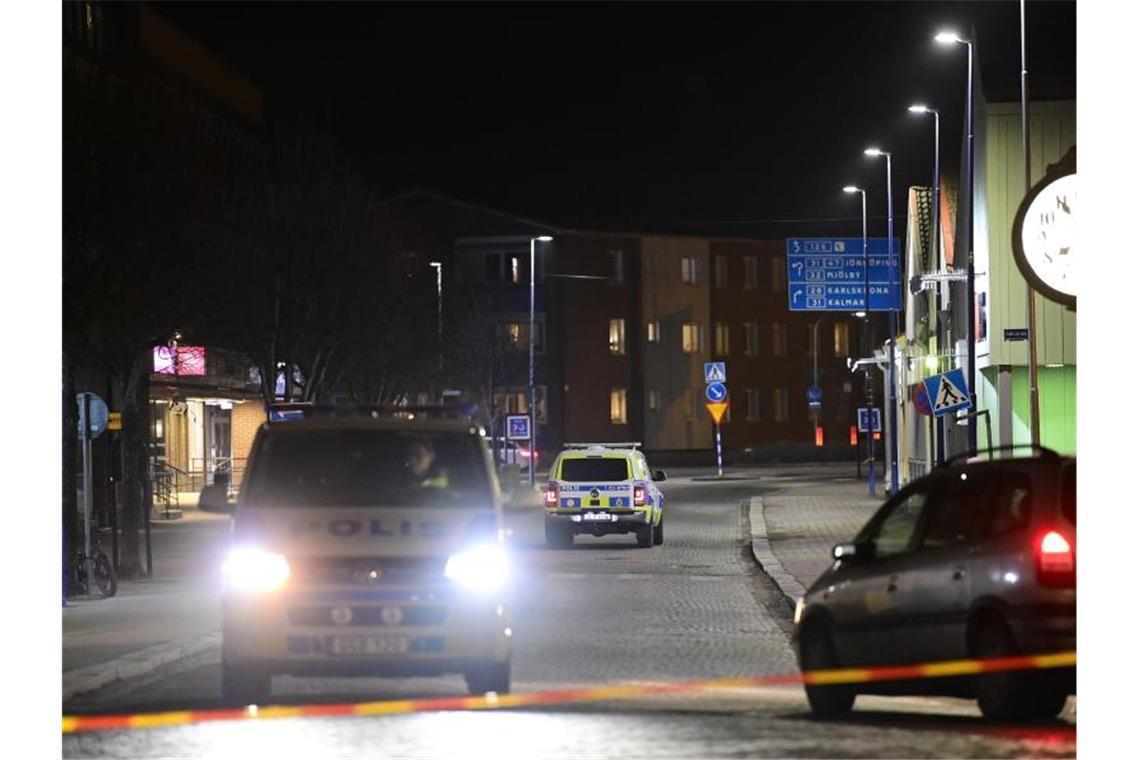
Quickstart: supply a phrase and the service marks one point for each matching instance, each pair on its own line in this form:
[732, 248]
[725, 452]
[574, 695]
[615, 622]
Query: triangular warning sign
[949, 395]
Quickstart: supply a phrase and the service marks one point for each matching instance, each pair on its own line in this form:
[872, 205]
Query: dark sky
[639, 115]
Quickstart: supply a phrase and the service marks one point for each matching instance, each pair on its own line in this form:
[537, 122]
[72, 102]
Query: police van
[602, 488]
[365, 545]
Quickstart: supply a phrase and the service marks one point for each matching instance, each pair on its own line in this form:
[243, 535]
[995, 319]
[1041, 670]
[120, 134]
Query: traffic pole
[719, 459]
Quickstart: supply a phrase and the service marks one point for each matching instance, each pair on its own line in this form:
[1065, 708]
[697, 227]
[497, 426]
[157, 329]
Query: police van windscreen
[367, 468]
[595, 470]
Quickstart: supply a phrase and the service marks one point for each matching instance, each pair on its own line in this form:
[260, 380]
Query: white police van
[365, 546]
[603, 488]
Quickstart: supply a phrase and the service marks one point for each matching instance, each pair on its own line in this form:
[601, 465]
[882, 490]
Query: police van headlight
[481, 568]
[248, 569]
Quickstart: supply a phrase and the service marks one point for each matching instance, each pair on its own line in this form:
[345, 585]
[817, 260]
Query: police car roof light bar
[604, 445]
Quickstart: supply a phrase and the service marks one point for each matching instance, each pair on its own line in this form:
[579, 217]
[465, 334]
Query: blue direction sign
[716, 392]
[815, 394]
[870, 421]
[518, 427]
[715, 372]
[832, 274]
[948, 392]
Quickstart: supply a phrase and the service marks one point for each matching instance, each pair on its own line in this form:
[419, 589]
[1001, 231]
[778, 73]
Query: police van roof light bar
[604, 444]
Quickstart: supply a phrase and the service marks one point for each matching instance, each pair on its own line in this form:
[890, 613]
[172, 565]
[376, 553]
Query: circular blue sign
[716, 392]
[815, 393]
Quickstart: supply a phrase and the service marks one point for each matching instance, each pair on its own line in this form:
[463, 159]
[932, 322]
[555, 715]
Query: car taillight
[552, 495]
[1056, 560]
[639, 496]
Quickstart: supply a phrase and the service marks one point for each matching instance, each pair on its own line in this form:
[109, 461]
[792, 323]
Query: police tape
[615, 692]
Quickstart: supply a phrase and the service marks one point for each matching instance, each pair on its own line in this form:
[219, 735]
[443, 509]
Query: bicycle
[101, 565]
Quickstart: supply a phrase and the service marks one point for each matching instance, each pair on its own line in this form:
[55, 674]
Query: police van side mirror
[852, 551]
[215, 498]
[659, 475]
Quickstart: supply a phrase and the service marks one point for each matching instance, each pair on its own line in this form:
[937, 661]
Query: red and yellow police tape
[78, 723]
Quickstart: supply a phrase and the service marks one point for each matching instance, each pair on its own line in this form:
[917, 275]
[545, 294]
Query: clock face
[1049, 235]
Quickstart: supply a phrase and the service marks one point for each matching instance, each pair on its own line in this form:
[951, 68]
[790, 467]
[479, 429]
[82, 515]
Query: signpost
[830, 274]
[93, 418]
[717, 394]
[870, 421]
[518, 427]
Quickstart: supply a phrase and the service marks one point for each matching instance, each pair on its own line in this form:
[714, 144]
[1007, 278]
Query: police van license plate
[603, 516]
[368, 645]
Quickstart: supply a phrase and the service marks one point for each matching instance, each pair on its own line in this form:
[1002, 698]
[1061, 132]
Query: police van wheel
[659, 532]
[645, 536]
[558, 536]
[244, 686]
[495, 677]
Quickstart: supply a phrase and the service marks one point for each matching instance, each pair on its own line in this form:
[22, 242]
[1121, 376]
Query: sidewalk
[793, 531]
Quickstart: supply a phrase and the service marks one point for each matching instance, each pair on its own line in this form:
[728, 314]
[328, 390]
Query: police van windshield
[595, 469]
[367, 468]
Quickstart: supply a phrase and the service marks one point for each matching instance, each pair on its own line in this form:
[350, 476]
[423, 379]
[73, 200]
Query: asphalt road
[602, 612]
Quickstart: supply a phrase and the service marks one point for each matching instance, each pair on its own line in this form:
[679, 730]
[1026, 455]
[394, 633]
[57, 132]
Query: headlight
[800, 604]
[255, 570]
[482, 568]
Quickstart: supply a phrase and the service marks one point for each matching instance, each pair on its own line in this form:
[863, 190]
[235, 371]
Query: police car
[603, 488]
[365, 546]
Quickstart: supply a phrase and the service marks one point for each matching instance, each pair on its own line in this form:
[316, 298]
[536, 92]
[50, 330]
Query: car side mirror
[215, 499]
[852, 551]
[659, 475]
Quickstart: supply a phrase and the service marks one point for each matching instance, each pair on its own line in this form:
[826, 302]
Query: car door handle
[892, 585]
[959, 574]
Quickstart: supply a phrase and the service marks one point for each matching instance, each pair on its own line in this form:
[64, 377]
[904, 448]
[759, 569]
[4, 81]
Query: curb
[762, 552]
[135, 664]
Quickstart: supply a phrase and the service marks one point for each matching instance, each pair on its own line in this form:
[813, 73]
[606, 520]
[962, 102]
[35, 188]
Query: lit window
[516, 269]
[780, 404]
[779, 339]
[516, 333]
[654, 400]
[617, 406]
[751, 339]
[653, 331]
[617, 336]
[720, 271]
[691, 337]
[779, 280]
[751, 273]
[689, 270]
[721, 339]
[841, 348]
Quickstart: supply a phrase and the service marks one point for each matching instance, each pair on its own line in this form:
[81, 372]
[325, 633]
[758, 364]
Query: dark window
[493, 267]
[594, 470]
[342, 468]
[953, 508]
[1011, 507]
[1069, 493]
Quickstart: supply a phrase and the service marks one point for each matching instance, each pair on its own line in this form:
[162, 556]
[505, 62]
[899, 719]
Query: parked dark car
[977, 559]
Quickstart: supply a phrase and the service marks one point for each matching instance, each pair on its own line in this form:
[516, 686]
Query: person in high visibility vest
[423, 465]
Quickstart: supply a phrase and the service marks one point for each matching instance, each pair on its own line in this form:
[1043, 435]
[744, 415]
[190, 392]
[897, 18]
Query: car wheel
[558, 536]
[818, 653]
[494, 677]
[645, 535]
[659, 532]
[244, 686]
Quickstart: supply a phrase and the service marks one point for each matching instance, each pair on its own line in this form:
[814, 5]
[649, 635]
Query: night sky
[639, 116]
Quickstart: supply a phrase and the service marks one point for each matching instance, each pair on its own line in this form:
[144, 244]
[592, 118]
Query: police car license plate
[368, 645]
[603, 516]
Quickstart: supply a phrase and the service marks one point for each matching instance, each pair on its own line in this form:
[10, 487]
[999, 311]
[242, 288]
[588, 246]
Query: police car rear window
[595, 470]
[367, 468]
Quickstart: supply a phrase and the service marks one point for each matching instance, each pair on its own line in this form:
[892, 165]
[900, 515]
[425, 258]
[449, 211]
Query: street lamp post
[951, 38]
[438, 267]
[530, 336]
[866, 313]
[892, 413]
[937, 249]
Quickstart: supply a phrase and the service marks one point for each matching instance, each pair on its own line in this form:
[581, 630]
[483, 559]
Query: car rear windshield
[367, 468]
[1069, 493]
[595, 470]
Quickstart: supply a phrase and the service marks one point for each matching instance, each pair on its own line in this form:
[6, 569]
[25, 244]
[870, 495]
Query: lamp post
[952, 38]
[438, 267]
[530, 337]
[866, 314]
[892, 412]
[937, 248]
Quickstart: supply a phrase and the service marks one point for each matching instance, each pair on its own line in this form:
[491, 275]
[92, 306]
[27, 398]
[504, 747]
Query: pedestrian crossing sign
[948, 392]
[714, 373]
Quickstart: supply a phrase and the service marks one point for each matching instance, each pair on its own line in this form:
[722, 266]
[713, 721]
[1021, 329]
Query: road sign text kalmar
[716, 410]
[831, 274]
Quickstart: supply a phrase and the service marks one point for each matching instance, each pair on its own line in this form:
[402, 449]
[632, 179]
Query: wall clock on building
[1045, 233]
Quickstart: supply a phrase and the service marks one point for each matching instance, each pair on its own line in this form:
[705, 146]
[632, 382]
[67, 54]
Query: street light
[937, 246]
[892, 412]
[530, 335]
[870, 398]
[952, 38]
